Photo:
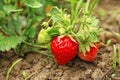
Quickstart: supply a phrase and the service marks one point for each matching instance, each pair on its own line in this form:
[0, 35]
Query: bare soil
[39, 67]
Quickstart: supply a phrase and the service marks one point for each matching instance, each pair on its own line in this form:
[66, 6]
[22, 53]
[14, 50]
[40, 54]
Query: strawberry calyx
[72, 39]
[86, 37]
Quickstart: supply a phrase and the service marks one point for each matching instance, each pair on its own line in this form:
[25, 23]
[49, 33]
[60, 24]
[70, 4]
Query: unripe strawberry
[43, 37]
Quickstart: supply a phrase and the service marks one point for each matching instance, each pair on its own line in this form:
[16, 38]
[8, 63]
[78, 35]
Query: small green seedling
[108, 42]
[114, 57]
[24, 73]
[10, 69]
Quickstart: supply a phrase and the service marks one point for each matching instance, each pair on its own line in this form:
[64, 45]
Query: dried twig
[109, 72]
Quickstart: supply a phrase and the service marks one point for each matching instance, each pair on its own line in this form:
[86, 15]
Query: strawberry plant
[72, 33]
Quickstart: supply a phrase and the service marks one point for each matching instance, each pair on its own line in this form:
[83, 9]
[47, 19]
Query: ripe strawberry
[64, 49]
[89, 55]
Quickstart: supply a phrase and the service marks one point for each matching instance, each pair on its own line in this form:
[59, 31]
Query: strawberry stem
[43, 53]
[72, 11]
[34, 45]
[87, 5]
[75, 14]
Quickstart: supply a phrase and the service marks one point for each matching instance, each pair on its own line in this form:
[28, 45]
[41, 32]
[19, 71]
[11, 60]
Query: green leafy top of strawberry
[60, 25]
[79, 24]
[86, 37]
[87, 34]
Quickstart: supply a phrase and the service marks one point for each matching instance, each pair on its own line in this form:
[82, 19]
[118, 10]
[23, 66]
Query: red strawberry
[90, 55]
[64, 49]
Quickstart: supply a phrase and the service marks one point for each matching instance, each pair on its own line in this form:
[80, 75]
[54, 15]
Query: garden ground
[38, 67]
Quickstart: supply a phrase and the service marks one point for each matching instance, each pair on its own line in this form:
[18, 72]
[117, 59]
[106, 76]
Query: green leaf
[15, 26]
[60, 19]
[2, 15]
[18, 26]
[8, 43]
[53, 31]
[39, 18]
[1, 4]
[55, 14]
[92, 45]
[54, 10]
[82, 49]
[31, 32]
[10, 8]
[33, 3]
[1, 36]
[94, 22]
[87, 47]
[5, 29]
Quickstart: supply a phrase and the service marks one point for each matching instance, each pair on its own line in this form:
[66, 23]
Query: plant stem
[34, 45]
[87, 5]
[92, 7]
[73, 15]
[72, 10]
[77, 12]
[10, 69]
[42, 52]
[17, 15]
